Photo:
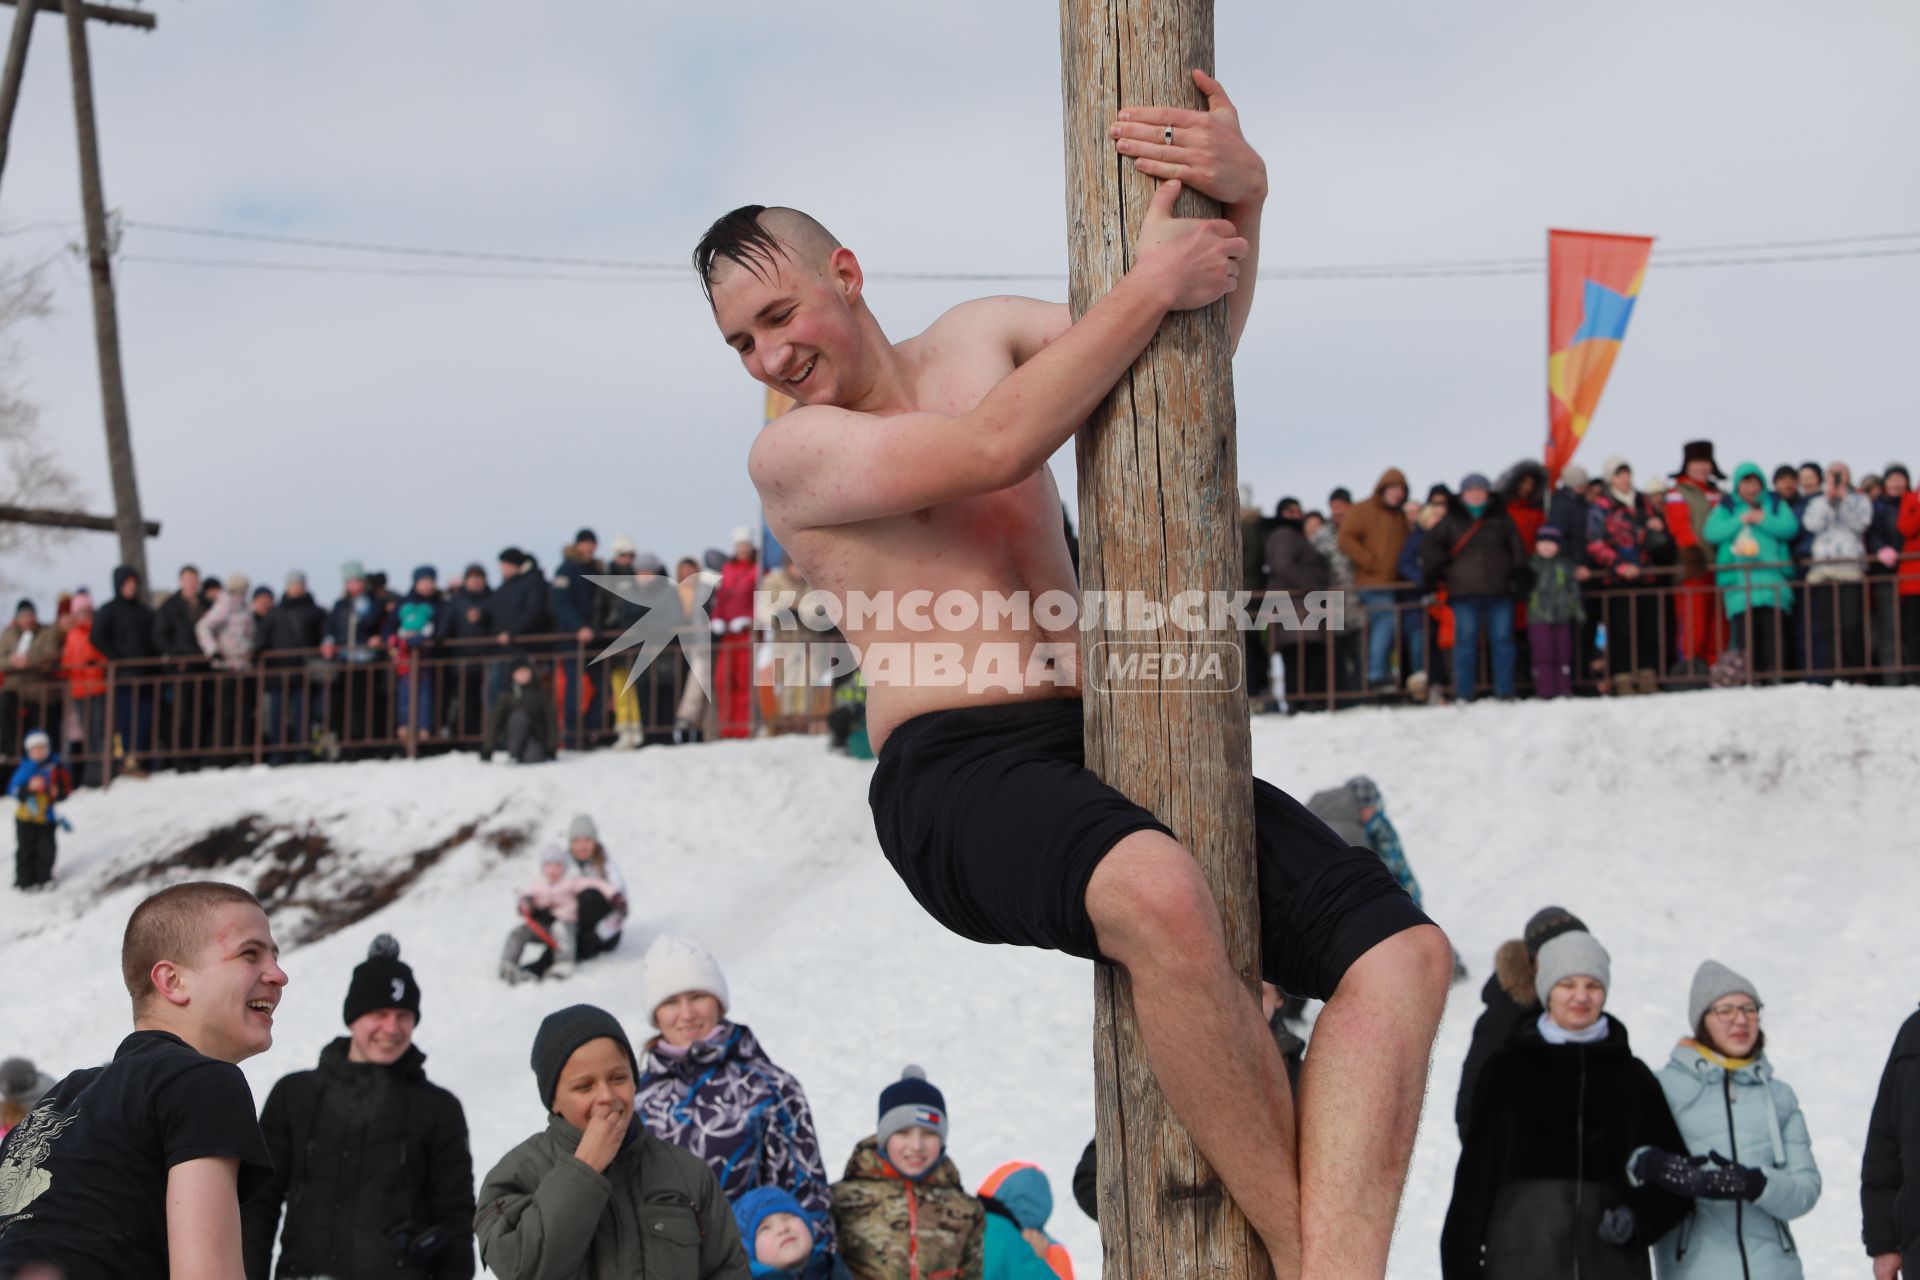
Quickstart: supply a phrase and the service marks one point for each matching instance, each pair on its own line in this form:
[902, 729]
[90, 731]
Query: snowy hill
[1773, 830]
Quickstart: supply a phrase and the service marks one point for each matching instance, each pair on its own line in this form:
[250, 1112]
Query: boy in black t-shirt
[138, 1169]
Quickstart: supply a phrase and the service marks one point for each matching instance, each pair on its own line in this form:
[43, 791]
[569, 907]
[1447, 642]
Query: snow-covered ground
[1773, 830]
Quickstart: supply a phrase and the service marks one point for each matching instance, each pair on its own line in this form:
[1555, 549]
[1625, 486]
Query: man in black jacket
[123, 633]
[186, 704]
[292, 628]
[464, 704]
[369, 1158]
[1476, 549]
[1890, 1168]
[519, 608]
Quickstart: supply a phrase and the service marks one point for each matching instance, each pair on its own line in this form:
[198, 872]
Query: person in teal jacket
[1737, 1120]
[1019, 1200]
[1753, 527]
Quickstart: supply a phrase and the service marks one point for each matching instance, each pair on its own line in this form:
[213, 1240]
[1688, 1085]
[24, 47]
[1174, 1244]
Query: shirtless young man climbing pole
[921, 466]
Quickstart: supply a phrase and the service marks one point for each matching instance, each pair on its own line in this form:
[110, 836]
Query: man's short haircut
[187, 568]
[755, 237]
[172, 925]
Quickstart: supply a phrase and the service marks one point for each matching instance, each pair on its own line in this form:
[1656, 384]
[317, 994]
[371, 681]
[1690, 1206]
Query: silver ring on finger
[1167, 135]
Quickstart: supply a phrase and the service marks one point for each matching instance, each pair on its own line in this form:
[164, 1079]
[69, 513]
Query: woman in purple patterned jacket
[706, 1085]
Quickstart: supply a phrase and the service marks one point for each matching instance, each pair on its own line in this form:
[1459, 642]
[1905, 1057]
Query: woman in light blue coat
[1745, 1130]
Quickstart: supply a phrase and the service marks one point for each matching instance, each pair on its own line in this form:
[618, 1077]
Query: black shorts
[993, 820]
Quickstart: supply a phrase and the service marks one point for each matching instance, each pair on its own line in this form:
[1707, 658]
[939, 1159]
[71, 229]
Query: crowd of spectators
[1518, 586]
[220, 669]
[1595, 584]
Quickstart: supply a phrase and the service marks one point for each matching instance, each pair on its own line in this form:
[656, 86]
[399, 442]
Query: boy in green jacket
[593, 1194]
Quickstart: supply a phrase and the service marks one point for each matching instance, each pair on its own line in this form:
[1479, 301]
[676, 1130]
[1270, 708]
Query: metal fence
[1657, 632]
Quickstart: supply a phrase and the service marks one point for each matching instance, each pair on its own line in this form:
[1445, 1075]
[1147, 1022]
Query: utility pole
[1159, 515]
[106, 320]
[16, 63]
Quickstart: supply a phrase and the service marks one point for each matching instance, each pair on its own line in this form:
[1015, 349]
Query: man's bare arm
[1210, 154]
[824, 466]
[203, 1220]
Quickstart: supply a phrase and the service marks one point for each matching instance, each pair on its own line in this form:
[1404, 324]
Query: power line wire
[1515, 265]
[1308, 274]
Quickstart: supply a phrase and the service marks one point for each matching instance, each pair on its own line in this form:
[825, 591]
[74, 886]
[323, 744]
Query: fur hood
[1515, 970]
[1508, 486]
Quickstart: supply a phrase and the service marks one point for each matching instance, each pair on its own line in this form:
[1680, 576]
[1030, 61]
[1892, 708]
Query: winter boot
[563, 950]
[511, 970]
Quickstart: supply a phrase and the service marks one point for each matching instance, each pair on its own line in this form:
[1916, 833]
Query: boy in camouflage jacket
[902, 1212]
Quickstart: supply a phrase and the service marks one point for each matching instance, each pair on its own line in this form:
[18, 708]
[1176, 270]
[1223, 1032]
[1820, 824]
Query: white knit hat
[676, 965]
[1571, 955]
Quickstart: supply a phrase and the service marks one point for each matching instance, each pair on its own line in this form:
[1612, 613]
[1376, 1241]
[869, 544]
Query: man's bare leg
[1360, 1095]
[1209, 1049]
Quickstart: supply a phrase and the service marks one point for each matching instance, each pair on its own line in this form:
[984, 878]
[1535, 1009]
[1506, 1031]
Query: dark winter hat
[1698, 451]
[262, 591]
[475, 567]
[22, 1083]
[1547, 924]
[564, 1031]
[1342, 494]
[1474, 480]
[714, 559]
[1439, 493]
[209, 585]
[1711, 983]
[1572, 955]
[1786, 469]
[424, 571]
[1892, 467]
[520, 659]
[587, 535]
[25, 606]
[381, 981]
[911, 1102]
[513, 556]
[1550, 533]
[1280, 507]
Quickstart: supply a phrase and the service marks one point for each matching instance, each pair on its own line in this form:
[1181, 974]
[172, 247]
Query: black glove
[1725, 1180]
[1617, 1226]
[1676, 1175]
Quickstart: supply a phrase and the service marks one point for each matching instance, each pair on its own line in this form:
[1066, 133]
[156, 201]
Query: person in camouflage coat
[902, 1213]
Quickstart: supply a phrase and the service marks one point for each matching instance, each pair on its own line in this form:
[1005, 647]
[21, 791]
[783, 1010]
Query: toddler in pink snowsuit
[549, 912]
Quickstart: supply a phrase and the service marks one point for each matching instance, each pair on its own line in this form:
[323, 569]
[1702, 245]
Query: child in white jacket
[549, 914]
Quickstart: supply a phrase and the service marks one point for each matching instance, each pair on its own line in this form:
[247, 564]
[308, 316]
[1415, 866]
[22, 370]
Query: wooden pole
[1159, 515]
[53, 519]
[106, 323]
[12, 74]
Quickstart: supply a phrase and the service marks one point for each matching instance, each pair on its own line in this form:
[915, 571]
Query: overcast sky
[285, 419]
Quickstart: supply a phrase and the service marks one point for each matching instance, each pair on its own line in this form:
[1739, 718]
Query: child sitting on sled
[549, 915]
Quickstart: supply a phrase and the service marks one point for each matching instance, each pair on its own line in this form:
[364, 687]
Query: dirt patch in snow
[302, 880]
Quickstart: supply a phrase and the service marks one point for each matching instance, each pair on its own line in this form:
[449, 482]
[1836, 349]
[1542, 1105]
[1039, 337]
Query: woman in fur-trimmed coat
[1509, 998]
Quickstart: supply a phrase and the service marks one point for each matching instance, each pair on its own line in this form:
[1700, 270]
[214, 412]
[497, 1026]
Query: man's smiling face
[792, 326]
[235, 986]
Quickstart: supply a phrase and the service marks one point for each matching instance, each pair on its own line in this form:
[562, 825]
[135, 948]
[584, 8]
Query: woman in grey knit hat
[1543, 1188]
[1746, 1140]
